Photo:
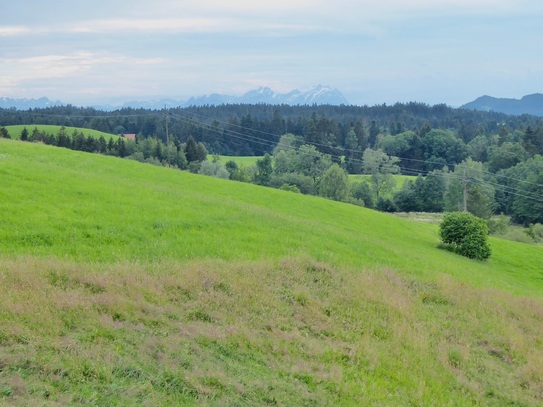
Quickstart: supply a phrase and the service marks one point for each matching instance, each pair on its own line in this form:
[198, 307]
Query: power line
[270, 143]
[349, 150]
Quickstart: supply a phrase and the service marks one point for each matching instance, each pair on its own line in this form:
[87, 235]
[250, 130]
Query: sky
[374, 52]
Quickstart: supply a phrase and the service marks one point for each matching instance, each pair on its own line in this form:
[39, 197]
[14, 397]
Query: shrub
[538, 229]
[517, 234]
[362, 191]
[386, 205]
[303, 182]
[290, 187]
[213, 169]
[194, 166]
[465, 234]
[535, 232]
[498, 225]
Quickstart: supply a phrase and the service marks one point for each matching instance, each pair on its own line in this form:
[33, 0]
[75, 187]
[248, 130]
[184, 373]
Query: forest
[488, 163]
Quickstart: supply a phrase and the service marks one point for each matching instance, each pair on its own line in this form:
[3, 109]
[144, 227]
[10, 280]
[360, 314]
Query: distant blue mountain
[529, 104]
[319, 95]
[25, 104]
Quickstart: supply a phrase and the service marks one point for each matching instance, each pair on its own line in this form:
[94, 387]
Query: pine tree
[4, 132]
[191, 150]
[24, 134]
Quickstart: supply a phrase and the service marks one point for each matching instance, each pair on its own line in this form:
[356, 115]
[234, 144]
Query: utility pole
[465, 182]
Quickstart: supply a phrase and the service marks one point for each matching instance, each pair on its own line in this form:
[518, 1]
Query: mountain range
[25, 104]
[529, 104]
[319, 95]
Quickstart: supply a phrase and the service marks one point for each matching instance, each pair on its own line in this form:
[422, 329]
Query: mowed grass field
[128, 284]
[15, 131]
[246, 161]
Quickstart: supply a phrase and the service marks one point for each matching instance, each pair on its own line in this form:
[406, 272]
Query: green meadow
[128, 284]
[15, 131]
[246, 161]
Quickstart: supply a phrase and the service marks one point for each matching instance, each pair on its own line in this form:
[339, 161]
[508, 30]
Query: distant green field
[15, 131]
[129, 284]
[247, 161]
[400, 179]
[251, 160]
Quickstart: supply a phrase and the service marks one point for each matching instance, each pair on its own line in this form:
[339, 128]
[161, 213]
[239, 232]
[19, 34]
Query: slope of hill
[15, 131]
[129, 284]
[529, 104]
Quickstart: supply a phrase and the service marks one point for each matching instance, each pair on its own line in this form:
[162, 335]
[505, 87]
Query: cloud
[187, 25]
[312, 7]
[18, 71]
[170, 26]
[264, 17]
[11, 30]
[360, 10]
[232, 46]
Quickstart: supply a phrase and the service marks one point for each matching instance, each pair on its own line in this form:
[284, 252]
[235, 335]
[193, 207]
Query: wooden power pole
[465, 182]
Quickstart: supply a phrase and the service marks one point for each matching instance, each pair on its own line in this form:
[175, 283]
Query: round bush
[465, 234]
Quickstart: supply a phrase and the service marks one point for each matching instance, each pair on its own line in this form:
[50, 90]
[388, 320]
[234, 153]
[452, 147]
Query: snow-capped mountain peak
[320, 95]
[23, 104]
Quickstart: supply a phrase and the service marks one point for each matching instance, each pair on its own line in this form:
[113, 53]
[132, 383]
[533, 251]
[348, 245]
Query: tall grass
[291, 332]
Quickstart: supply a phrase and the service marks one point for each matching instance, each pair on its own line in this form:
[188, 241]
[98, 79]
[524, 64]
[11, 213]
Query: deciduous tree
[528, 203]
[334, 184]
[381, 167]
[264, 170]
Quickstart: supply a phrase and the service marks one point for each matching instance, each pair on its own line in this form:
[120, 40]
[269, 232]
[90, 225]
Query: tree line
[255, 129]
[185, 156]
[484, 162]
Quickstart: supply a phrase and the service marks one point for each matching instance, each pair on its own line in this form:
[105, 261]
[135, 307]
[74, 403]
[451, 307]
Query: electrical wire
[271, 143]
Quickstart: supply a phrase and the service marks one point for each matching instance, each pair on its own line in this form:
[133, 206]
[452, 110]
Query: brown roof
[130, 137]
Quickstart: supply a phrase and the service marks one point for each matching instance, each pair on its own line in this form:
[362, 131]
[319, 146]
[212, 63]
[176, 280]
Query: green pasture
[109, 210]
[246, 161]
[15, 131]
[123, 283]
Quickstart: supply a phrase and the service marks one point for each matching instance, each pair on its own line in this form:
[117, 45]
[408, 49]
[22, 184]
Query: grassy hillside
[15, 131]
[129, 284]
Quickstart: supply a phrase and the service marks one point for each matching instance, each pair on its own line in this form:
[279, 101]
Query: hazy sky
[378, 51]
